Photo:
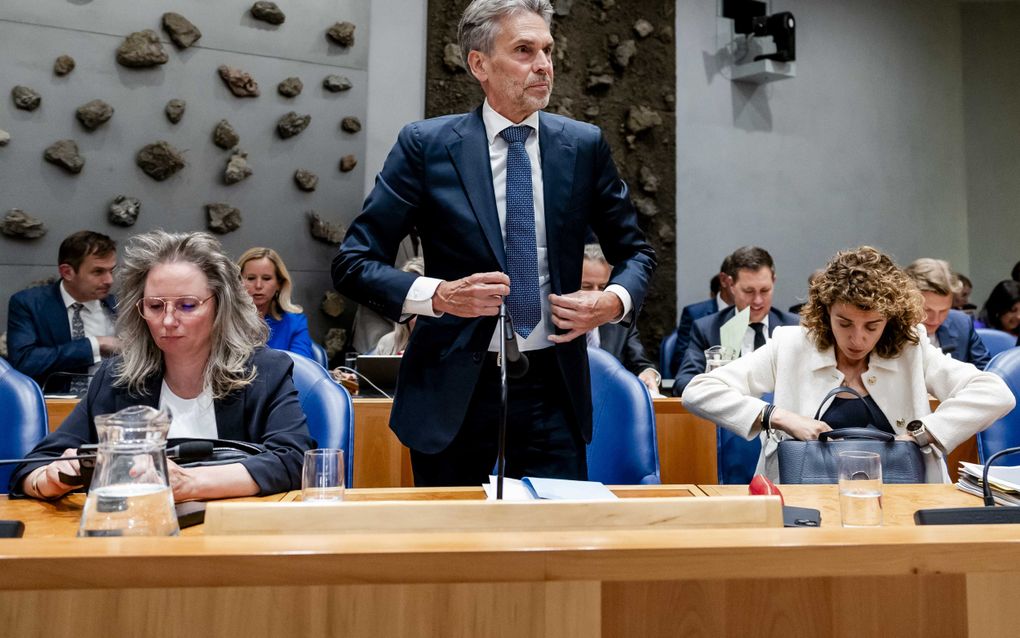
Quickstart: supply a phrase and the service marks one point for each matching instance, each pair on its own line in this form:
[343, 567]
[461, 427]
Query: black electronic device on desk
[381, 372]
[12, 529]
[988, 514]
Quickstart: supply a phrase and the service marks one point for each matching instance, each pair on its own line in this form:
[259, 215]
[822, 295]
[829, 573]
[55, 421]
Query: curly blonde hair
[868, 279]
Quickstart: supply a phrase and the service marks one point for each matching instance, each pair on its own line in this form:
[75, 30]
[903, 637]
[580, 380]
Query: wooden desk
[687, 444]
[890, 581]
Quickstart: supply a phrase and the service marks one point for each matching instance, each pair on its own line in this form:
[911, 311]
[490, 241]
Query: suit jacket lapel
[470, 156]
[55, 313]
[558, 154]
[153, 387]
[230, 416]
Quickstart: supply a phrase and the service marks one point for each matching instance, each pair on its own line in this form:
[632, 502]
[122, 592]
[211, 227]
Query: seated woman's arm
[300, 342]
[274, 419]
[969, 400]
[728, 396]
[41, 480]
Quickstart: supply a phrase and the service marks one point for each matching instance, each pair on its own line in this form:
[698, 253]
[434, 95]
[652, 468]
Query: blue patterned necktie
[524, 302]
[79, 384]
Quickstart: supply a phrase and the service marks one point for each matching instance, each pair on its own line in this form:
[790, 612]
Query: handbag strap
[871, 434]
[845, 388]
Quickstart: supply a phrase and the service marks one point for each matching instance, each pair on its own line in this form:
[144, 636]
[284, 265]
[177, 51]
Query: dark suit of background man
[67, 326]
[753, 274]
[721, 298]
[488, 234]
[623, 342]
[948, 329]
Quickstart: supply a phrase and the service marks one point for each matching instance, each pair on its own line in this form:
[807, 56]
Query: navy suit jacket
[39, 336]
[705, 334]
[266, 412]
[688, 316]
[624, 343]
[957, 336]
[438, 180]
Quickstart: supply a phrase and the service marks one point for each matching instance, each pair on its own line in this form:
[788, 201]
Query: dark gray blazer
[266, 412]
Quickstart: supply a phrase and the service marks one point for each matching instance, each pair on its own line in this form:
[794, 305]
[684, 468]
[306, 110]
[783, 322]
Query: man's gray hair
[594, 253]
[237, 327]
[481, 21]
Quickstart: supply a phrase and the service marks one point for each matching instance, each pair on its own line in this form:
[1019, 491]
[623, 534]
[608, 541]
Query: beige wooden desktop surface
[897, 580]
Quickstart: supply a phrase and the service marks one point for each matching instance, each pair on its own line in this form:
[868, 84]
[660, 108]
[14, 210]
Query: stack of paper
[1003, 479]
[530, 488]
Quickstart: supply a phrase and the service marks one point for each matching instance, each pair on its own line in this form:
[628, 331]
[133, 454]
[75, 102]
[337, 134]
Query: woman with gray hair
[193, 343]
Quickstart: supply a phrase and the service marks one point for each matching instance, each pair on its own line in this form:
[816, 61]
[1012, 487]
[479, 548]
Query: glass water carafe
[130, 493]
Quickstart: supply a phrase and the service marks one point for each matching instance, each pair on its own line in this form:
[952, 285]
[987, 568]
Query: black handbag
[815, 461]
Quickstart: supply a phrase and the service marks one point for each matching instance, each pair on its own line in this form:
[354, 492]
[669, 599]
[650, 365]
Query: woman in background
[859, 328]
[1002, 309]
[267, 280]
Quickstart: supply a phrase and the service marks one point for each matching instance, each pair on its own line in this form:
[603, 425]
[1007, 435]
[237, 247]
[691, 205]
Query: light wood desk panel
[895, 580]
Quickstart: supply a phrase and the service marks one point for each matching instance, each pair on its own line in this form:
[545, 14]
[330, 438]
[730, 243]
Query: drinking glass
[322, 476]
[718, 356]
[860, 488]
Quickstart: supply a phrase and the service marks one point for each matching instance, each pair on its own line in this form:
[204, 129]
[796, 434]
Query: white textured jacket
[791, 367]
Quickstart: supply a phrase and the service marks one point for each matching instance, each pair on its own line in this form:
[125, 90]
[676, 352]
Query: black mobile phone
[12, 529]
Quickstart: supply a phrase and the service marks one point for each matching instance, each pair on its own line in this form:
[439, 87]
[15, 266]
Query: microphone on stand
[985, 515]
[513, 364]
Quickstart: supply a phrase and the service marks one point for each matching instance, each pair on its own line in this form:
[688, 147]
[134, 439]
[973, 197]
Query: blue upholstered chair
[24, 417]
[736, 457]
[1005, 432]
[666, 349]
[328, 408]
[623, 448]
[995, 341]
[320, 355]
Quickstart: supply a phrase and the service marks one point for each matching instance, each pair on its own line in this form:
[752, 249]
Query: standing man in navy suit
[753, 274]
[502, 199]
[67, 326]
[948, 329]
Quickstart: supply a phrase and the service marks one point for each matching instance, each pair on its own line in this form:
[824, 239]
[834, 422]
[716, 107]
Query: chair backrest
[995, 341]
[327, 407]
[1005, 432]
[666, 349]
[24, 418]
[319, 355]
[623, 448]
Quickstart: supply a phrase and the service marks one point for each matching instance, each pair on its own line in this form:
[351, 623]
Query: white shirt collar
[494, 122]
[91, 306]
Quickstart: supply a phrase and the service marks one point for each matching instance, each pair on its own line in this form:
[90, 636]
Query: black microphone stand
[507, 331]
[984, 515]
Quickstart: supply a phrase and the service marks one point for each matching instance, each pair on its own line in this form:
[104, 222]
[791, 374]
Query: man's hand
[108, 346]
[650, 378]
[582, 311]
[476, 295]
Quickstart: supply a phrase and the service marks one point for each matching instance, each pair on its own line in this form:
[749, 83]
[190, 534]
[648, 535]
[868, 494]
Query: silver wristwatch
[920, 433]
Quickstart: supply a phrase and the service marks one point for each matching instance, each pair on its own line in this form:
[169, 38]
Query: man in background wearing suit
[951, 330]
[502, 198]
[67, 326]
[753, 274]
[623, 342]
[721, 298]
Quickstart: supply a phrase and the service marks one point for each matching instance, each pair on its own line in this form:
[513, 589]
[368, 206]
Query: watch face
[914, 426]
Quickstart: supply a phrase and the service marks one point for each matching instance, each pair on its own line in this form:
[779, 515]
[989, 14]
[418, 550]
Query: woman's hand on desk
[45, 482]
[799, 427]
[215, 481]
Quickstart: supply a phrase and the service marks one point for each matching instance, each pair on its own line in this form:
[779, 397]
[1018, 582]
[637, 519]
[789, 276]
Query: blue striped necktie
[524, 302]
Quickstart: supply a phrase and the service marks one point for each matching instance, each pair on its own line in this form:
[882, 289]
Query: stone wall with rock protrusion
[615, 67]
